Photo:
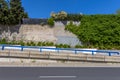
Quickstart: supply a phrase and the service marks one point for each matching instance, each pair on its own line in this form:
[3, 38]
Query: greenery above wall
[98, 31]
[64, 16]
[50, 21]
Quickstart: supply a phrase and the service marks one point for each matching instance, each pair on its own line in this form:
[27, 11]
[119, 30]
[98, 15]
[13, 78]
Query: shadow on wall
[9, 32]
[34, 21]
[10, 29]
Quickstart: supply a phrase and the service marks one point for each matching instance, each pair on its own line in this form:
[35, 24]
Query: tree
[17, 11]
[3, 12]
[59, 16]
[62, 15]
[53, 15]
[118, 11]
[12, 12]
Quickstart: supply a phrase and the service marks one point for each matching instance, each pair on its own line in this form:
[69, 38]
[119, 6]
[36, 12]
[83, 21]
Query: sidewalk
[57, 64]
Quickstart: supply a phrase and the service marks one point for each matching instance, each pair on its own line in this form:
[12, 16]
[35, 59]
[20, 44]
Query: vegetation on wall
[95, 31]
[50, 21]
[12, 12]
[98, 31]
[59, 16]
[64, 16]
[31, 43]
[74, 17]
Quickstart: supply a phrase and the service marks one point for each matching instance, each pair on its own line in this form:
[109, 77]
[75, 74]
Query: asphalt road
[52, 73]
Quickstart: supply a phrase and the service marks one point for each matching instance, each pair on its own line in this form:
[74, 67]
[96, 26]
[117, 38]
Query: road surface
[52, 73]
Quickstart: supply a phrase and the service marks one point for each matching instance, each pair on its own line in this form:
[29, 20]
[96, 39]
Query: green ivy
[98, 31]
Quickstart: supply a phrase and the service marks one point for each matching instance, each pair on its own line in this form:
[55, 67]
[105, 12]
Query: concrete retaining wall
[37, 32]
[59, 56]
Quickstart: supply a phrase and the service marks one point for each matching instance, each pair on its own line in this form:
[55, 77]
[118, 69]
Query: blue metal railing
[41, 49]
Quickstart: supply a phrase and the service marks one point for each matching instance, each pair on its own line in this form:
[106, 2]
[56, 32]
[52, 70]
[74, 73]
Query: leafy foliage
[11, 13]
[99, 31]
[59, 16]
[62, 16]
[62, 46]
[3, 41]
[74, 17]
[51, 21]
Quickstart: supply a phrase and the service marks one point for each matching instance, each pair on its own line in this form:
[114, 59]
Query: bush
[98, 31]
[32, 43]
[22, 43]
[49, 44]
[28, 44]
[39, 44]
[62, 46]
[77, 46]
[50, 21]
[62, 16]
[3, 41]
[45, 44]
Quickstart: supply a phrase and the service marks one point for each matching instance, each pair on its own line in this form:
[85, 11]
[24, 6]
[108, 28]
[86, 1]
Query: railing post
[3, 47]
[109, 53]
[40, 50]
[118, 53]
[21, 48]
[75, 51]
[92, 52]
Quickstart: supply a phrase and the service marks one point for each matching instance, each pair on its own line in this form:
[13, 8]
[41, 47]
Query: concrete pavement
[43, 63]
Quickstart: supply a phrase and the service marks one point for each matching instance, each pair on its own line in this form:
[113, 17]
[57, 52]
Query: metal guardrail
[41, 49]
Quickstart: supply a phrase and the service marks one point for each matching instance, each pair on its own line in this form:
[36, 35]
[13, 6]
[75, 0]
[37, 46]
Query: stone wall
[62, 56]
[9, 32]
[68, 40]
[63, 36]
[37, 32]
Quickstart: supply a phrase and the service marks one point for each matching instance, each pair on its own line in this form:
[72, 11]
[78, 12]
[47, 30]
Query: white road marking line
[58, 76]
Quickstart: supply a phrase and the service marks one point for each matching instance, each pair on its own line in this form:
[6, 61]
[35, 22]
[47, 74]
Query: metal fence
[59, 50]
[34, 21]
